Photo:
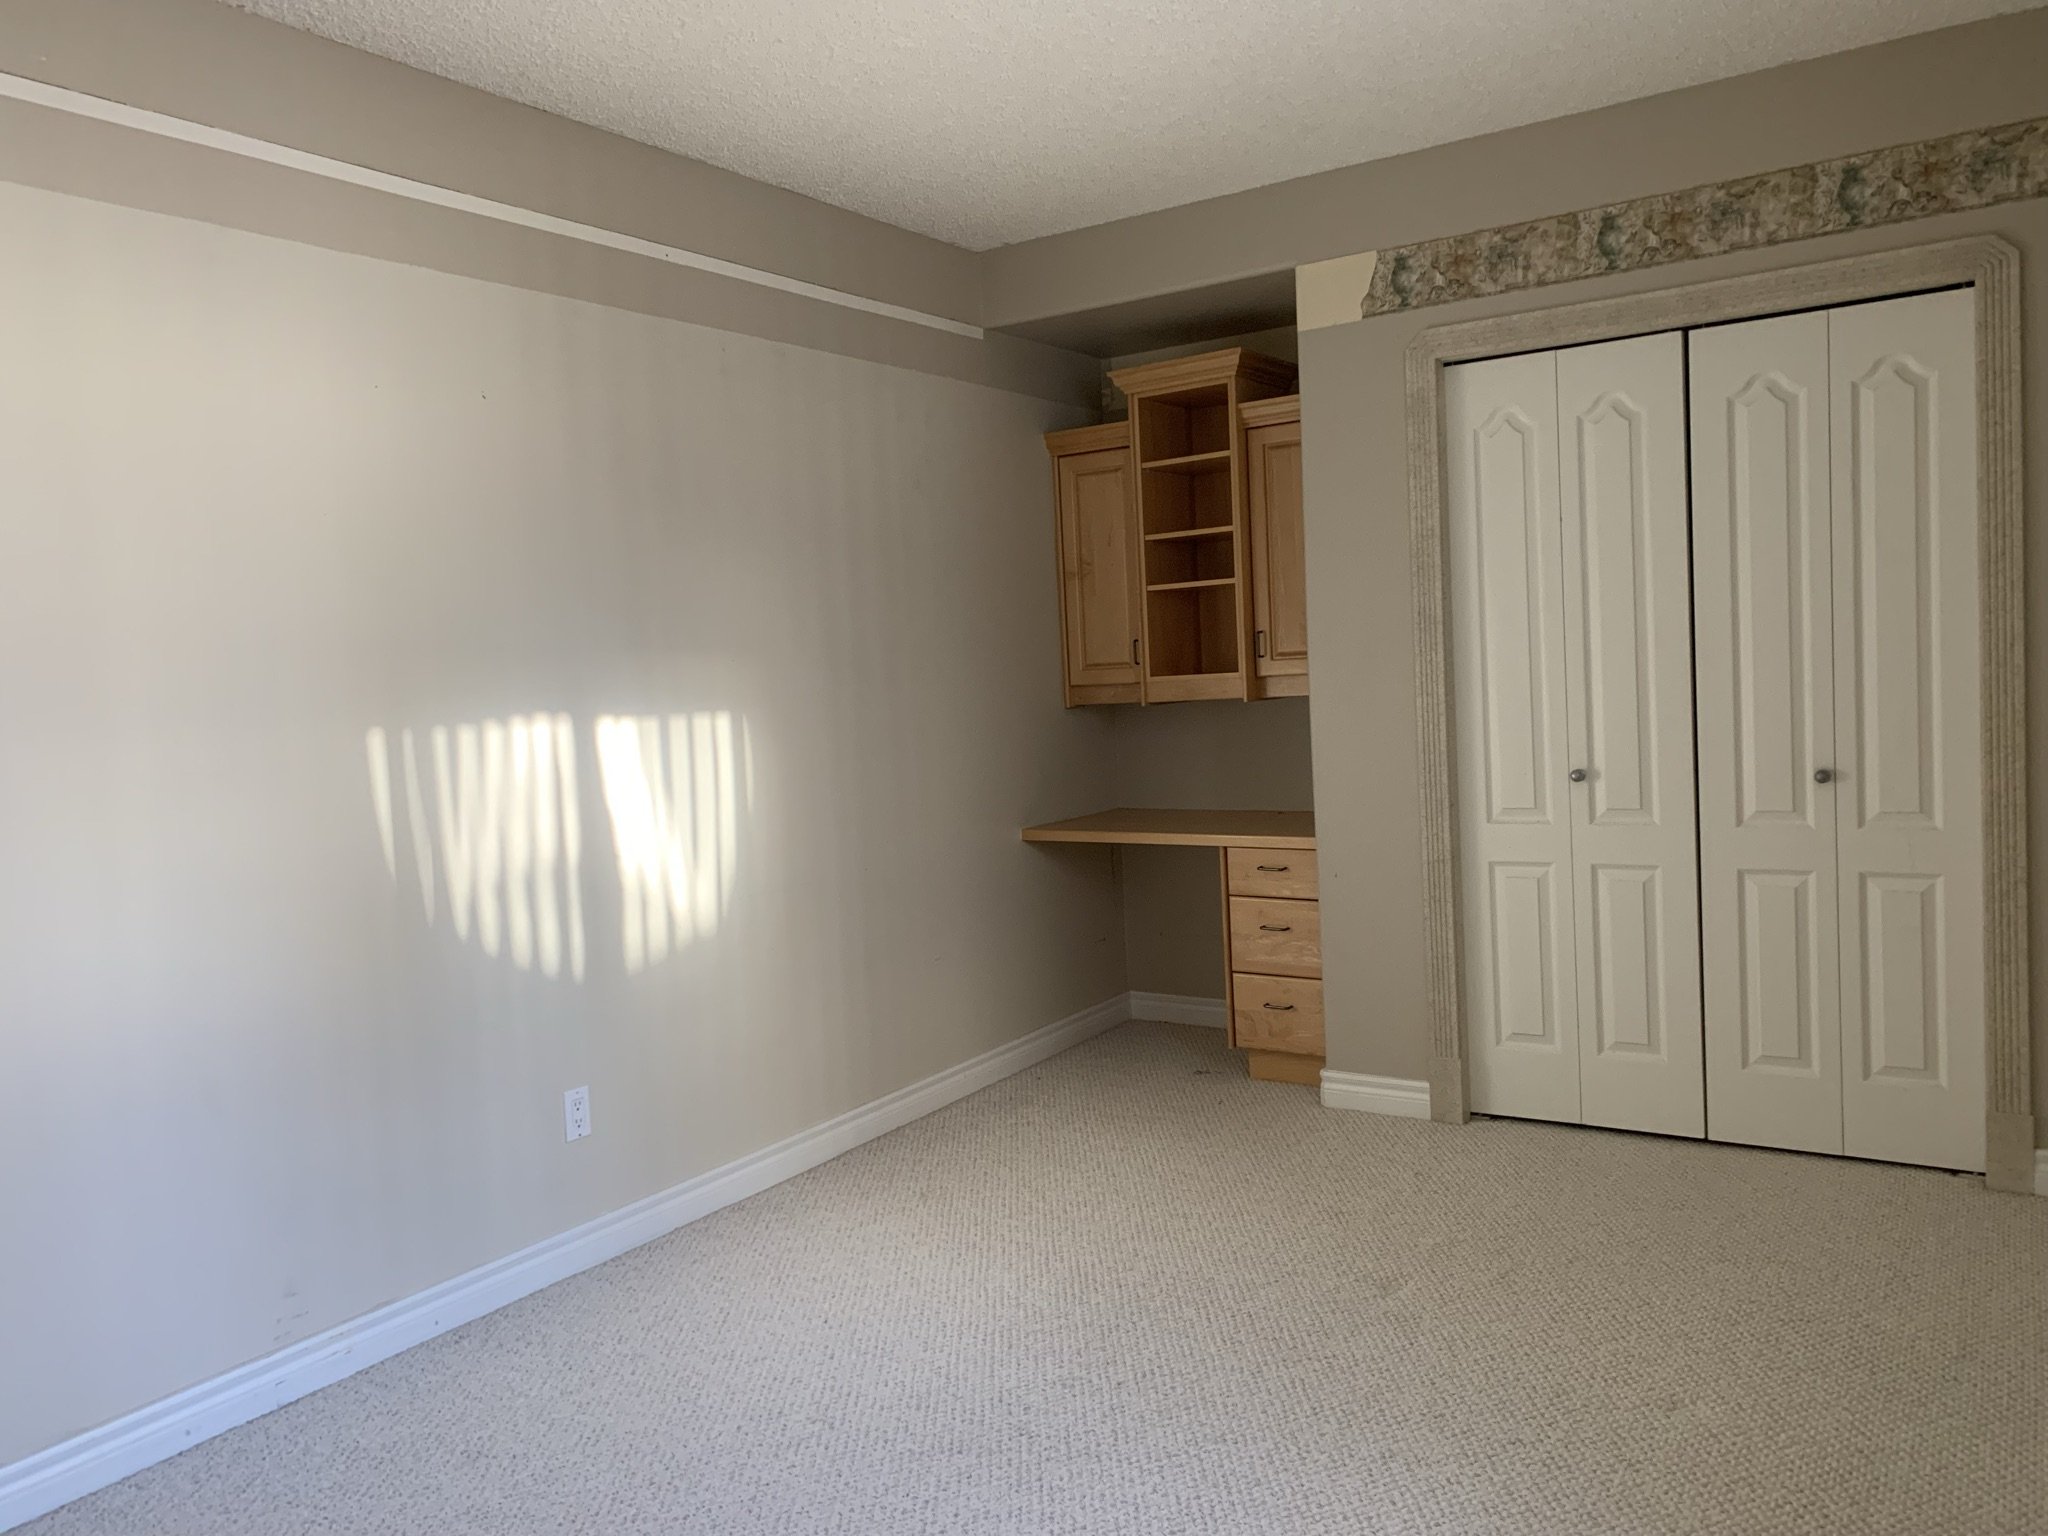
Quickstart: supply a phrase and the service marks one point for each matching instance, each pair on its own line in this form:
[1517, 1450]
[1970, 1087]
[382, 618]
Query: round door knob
[1578, 775]
[1823, 775]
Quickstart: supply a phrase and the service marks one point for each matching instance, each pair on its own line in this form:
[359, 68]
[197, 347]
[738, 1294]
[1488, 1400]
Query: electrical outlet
[576, 1114]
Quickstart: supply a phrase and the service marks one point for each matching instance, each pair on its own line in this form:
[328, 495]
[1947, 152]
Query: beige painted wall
[1198, 755]
[260, 497]
[205, 62]
[1892, 93]
[1360, 619]
[287, 461]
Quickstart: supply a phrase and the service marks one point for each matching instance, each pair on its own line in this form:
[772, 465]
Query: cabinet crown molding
[1262, 374]
[1269, 413]
[1110, 434]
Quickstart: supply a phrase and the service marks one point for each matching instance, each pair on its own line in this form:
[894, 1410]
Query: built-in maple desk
[1272, 921]
[1184, 829]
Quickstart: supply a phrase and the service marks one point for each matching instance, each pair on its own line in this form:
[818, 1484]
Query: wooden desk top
[1186, 829]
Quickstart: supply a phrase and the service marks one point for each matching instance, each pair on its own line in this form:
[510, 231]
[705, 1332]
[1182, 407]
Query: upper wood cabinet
[1272, 468]
[1096, 536]
[1179, 535]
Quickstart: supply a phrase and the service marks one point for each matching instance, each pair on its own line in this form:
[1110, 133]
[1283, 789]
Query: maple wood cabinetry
[1272, 921]
[1199, 592]
[1272, 468]
[1095, 532]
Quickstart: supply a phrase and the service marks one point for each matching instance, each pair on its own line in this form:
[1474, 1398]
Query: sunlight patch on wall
[503, 833]
[674, 791]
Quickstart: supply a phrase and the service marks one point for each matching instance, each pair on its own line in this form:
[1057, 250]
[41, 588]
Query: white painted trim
[99, 1457]
[2041, 1171]
[1403, 1096]
[163, 125]
[1176, 1009]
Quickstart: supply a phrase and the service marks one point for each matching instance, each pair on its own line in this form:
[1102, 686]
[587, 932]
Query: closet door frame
[1989, 266]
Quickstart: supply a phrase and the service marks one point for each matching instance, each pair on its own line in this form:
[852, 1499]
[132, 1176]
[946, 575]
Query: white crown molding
[164, 126]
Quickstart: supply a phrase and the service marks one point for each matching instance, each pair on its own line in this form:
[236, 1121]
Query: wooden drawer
[1277, 1013]
[1276, 938]
[1289, 872]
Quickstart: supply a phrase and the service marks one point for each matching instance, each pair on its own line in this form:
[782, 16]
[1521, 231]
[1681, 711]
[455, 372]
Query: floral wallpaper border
[1885, 186]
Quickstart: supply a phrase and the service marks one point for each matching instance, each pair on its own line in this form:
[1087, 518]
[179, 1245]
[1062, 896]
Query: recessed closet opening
[1715, 754]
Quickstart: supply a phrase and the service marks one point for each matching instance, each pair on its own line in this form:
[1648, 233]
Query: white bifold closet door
[1840, 817]
[1572, 668]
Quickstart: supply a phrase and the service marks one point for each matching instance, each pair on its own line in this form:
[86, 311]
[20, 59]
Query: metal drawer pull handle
[1272, 869]
[1276, 927]
[1577, 775]
[1823, 775]
[1279, 1007]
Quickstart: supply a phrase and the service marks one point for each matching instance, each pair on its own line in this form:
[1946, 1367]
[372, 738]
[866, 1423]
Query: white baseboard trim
[73, 1468]
[1404, 1096]
[1173, 1008]
[2041, 1171]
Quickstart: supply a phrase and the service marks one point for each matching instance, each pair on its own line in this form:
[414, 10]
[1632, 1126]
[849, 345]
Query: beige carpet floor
[1132, 1291]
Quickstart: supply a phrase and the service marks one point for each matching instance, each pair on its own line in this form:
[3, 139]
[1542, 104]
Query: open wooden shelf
[1172, 502]
[1192, 463]
[1183, 687]
[1189, 426]
[1175, 561]
[1189, 586]
[1191, 629]
[1187, 450]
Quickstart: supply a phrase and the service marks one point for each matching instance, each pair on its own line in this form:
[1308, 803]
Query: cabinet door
[1508, 659]
[1279, 566]
[1628, 701]
[1098, 547]
[1763, 599]
[1908, 782]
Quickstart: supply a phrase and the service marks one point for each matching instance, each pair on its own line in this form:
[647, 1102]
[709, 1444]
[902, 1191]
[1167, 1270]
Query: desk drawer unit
[1275, 937]
[1289, 872]
[1273, 926]
[1277, 1013]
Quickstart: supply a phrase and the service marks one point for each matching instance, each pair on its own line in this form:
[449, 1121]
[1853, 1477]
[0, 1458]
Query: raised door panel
[1098, 569]
[1764, 645]
[1514, 832]
[1908, 709]
[1629, 727]
[1279, 561]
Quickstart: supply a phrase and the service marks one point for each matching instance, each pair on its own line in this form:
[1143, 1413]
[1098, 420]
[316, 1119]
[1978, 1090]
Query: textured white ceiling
[989, 123]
